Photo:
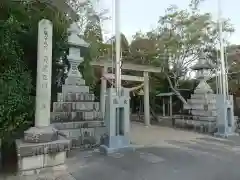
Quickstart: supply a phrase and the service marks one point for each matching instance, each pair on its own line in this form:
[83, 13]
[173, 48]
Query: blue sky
[143, 14]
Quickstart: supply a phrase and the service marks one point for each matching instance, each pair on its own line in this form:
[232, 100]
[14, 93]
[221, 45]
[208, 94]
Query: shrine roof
[165, 94]
[127, 66]
[203, 63]
[200, 66]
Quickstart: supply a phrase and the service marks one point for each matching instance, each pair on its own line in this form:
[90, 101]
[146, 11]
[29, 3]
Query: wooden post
[163, 108]
[170, 104]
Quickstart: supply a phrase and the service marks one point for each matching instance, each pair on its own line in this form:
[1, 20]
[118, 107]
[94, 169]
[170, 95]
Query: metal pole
[217, 75]
[118, 60]
[220, 79]
[118, 46]
[223, 71]
[226, 75]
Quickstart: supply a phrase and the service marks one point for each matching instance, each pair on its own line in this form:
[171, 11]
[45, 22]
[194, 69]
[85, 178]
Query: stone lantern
[74, 56]
[202, 104]
[203, 67]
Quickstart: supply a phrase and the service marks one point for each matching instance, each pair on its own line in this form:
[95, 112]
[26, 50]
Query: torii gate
[106, 64]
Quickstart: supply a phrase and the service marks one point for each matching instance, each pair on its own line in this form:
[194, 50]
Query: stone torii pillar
[146, 99]
[103, 91]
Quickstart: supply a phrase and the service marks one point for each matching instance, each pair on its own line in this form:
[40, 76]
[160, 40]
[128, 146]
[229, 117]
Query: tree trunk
[175, 91]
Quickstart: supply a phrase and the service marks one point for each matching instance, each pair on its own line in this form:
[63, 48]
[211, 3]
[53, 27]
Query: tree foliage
[93, 35]
[184, 35]
[86, 11]
[232, 55]
[18, 58]
[91, 23]
[15, 81]
[93, 30]
[176, 43]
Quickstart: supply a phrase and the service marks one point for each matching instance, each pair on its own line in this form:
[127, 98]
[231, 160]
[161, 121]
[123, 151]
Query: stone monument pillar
[41, 146]
[44, 74]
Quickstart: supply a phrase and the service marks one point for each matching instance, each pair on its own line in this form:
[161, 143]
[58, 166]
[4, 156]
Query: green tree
[92, 33]
[18, 42]
[124, 45]
[232, 57]
[93, 30]
[180, 37]
[86, 10]
[15, 81]
[142, 50]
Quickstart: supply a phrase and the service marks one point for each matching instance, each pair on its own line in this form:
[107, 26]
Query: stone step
[84, 136]
[202, 91]
[203, 96]
[75, 81]
[75, 97]
[205, 118]
[74, 89]
[75, 106]
[75, 116]
[208, 107]
[209, 124]
[201, 101]
[78, 125]
[203, 113]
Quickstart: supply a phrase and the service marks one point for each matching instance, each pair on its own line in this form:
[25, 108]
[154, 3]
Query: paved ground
[168, 155]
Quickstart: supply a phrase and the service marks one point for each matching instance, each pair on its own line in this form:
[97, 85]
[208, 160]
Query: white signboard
[44, 73]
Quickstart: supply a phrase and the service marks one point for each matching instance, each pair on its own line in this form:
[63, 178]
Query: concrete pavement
[168, 154]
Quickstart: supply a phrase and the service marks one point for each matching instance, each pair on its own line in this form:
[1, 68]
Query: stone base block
[78, 124]
[43, 171]
[75, 106]
[225, 135]
[35, 157]
[74, 89]
[40, 134]
[224, 132]
[80, 116]
[76, 133]
[25, 149]
[107, 151]
[75, 81]
[39, 163]
[116, 144]
[84, 135]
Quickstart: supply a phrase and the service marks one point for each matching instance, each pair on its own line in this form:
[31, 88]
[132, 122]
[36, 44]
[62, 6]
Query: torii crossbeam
[106, 64]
